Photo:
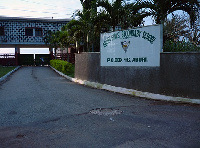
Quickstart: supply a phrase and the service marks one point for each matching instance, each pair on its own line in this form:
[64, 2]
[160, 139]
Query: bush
[63, 66]
[180, 46]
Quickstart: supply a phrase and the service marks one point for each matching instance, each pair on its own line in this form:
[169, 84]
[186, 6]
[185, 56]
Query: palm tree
[78, 29]
[89, 4]
[52, 40]
[134, 15]
[83, 29]
[64, 40]
[160, 9]
[127, 15]
[114, 11]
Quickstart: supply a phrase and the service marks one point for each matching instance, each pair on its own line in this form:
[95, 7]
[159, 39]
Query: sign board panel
[134, 47]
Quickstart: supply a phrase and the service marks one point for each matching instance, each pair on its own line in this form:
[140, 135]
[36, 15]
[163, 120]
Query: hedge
[62, 66]
[180, 46]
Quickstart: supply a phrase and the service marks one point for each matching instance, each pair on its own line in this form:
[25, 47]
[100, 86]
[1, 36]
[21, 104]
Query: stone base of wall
[178, 74]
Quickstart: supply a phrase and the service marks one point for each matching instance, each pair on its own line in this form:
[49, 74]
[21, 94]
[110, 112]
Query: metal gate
[42, 59]
[26, 59]
[8, 60]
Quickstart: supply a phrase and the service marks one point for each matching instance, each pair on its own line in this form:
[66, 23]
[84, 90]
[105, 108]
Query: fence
[26, 59]
[7, 60]
[42, 59]
[66, 57]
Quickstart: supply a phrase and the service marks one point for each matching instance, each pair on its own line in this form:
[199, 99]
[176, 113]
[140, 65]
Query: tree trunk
[55, 53]
[67, 55]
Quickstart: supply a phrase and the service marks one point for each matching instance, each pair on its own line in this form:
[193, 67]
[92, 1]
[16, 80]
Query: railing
[7, 59]
[7, 56]
[66, 57]
[12, 60]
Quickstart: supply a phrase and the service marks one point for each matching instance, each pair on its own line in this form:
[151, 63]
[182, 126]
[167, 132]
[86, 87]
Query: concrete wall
[178, 74]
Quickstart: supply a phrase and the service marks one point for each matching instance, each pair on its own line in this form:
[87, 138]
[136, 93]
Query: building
[16, 32]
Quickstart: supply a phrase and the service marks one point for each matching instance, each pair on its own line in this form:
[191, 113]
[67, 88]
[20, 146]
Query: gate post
[51, 53]
[17, 53]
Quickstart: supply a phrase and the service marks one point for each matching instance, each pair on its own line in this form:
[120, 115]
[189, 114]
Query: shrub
[180, 46]
[62, 66]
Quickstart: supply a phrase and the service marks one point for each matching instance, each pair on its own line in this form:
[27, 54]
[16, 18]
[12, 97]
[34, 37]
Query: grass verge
[5, 70]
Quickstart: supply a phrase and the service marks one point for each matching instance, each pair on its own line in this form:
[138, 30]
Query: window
[1, 31]
[33, 31]
[29, 31]
[38, 31]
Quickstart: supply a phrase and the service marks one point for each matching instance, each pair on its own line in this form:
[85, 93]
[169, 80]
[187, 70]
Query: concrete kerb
[8, 74]
[131, 92]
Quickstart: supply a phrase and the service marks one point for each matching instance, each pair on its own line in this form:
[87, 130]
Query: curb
[8, 74]
[131, 92]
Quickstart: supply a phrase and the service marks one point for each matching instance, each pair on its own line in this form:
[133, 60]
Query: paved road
[39, 109]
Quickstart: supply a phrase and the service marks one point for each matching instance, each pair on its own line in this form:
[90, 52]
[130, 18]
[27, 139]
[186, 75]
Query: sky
[58, 9]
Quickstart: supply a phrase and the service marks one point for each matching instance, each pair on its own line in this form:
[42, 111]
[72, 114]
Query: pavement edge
[8, 74]
[131, 92]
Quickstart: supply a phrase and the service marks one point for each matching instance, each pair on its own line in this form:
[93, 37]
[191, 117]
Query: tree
[160, 9]
[133, 15]
[88, 4]
[83, 29]
[175, 28]
[52, 40]
[90, 23]
[195, 31]
[114, 11]
[179, 27]
[179, 36]
[65, 40]
[121, 13]
[78, 29]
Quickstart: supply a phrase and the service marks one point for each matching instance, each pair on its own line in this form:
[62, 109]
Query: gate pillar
[17, 53]
[51, 53]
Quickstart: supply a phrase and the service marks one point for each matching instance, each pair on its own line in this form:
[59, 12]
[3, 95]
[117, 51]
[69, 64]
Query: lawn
[5, 70]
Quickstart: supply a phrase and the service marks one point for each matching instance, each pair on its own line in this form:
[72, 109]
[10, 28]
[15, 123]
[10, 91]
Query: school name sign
[134, 47]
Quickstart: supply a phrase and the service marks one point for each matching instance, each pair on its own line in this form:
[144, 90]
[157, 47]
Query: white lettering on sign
[134, 47]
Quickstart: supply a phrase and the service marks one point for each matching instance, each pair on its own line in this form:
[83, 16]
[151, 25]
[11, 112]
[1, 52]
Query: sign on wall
[134, 47]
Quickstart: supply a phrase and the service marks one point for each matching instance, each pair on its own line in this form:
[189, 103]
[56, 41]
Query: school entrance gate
[29, 60]
[26, 59]
[42, 59]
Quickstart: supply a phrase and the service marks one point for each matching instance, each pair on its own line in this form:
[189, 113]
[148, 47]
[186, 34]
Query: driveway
[39, 108]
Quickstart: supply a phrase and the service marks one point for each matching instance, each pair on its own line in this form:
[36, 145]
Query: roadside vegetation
[5, 70]
[181, 33]
[179, 36]
[63, 66]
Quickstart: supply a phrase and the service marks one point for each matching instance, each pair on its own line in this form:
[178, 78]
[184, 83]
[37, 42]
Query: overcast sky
[39, 8]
